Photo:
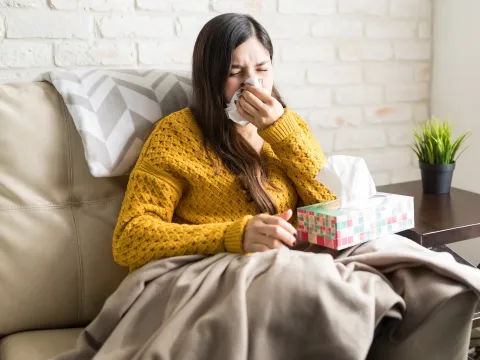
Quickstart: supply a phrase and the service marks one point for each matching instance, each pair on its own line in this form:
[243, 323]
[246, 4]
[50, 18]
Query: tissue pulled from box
[350, 180]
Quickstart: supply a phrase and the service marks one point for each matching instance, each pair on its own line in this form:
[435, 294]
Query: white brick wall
[21, 3]
[130, 26]
[48, 25]
[167, 54]
[323, 7]
[2, 26]
[96, 53]
[407, 92]
[388, 73]
[359, 95]
[337, 27]
[190, 25]
[243, 6]
[358, 71]
[365, 138]
[334, 74]
[388, 113]
[336, 117]
[307, 50]
[413, 50]
[306, 96]
[390, 29]
[367, 7]
[24, 54]
[95, 5]
[361, 50]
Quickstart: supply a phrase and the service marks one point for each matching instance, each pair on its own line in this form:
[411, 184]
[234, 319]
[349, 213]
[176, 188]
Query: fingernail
[294, 243]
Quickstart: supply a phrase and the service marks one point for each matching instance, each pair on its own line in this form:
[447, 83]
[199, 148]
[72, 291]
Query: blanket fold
[386, 299]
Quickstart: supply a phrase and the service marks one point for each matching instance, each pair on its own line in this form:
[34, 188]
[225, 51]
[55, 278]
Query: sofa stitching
[70, 190]
[60, 206]
[80, 268]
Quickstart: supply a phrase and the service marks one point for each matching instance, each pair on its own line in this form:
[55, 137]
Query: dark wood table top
[440, 219]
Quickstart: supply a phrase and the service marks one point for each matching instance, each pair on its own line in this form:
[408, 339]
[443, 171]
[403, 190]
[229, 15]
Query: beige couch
[56, 224]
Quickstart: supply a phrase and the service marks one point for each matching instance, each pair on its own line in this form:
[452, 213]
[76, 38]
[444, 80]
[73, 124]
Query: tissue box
[338, 229]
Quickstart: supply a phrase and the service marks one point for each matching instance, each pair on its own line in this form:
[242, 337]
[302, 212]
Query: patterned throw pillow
[114, 111]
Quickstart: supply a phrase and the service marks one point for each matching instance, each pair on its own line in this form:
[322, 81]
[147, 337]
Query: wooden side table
[441, 219]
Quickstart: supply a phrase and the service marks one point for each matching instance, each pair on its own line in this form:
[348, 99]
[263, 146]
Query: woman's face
[250, 59]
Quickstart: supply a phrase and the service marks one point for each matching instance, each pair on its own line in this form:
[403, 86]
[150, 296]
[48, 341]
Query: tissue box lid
[379, 202]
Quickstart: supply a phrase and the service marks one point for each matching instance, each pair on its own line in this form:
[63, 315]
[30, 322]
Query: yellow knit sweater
[175, 204]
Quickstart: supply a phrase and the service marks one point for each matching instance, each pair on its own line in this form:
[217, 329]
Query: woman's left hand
[258, 107]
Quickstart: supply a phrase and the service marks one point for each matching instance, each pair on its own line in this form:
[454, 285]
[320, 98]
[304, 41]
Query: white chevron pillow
[114, 111]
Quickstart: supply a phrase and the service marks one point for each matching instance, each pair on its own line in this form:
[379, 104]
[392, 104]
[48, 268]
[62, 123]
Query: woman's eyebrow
[237, 66]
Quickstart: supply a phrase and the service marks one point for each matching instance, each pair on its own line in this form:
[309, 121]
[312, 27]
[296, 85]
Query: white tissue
[349, 179]
[231, 109]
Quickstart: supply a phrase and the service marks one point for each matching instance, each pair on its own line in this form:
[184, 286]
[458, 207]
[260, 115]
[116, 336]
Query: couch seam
[3, 353]
[61, 206]
[70, 191]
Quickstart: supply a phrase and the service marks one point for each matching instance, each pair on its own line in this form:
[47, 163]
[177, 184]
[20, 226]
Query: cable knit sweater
[176, 205]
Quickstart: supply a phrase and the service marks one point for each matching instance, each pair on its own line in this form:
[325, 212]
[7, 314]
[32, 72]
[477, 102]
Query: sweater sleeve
[300, 154]
[144, 230]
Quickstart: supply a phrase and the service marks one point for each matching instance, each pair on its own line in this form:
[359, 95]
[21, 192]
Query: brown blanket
[386, 299]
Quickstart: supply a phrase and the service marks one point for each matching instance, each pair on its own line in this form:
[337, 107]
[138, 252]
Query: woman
[204, 185]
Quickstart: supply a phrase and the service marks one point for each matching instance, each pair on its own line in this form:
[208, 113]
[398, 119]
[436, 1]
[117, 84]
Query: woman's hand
[264, 232]
[258, 107]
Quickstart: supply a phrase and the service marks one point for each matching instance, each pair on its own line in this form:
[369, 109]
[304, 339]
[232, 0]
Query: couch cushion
[56, 219]
[115, 110]
[38, 345]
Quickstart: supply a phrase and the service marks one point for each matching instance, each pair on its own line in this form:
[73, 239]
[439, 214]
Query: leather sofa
[56, 225]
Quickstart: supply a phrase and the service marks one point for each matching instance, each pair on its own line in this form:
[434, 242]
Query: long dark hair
[212, 58]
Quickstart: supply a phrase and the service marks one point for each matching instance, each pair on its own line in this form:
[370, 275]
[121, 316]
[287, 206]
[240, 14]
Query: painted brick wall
[357, 70]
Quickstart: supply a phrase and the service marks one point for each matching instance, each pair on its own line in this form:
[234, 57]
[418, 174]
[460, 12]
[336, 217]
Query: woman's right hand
[264, 232]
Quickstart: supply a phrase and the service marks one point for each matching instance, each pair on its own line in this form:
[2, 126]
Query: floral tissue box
[327, 225]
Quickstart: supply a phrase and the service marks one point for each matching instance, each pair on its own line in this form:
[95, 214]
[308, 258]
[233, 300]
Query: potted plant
[437, 153]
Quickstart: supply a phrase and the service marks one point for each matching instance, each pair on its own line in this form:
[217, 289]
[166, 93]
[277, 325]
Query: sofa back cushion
[114, 110]
[56, 219]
